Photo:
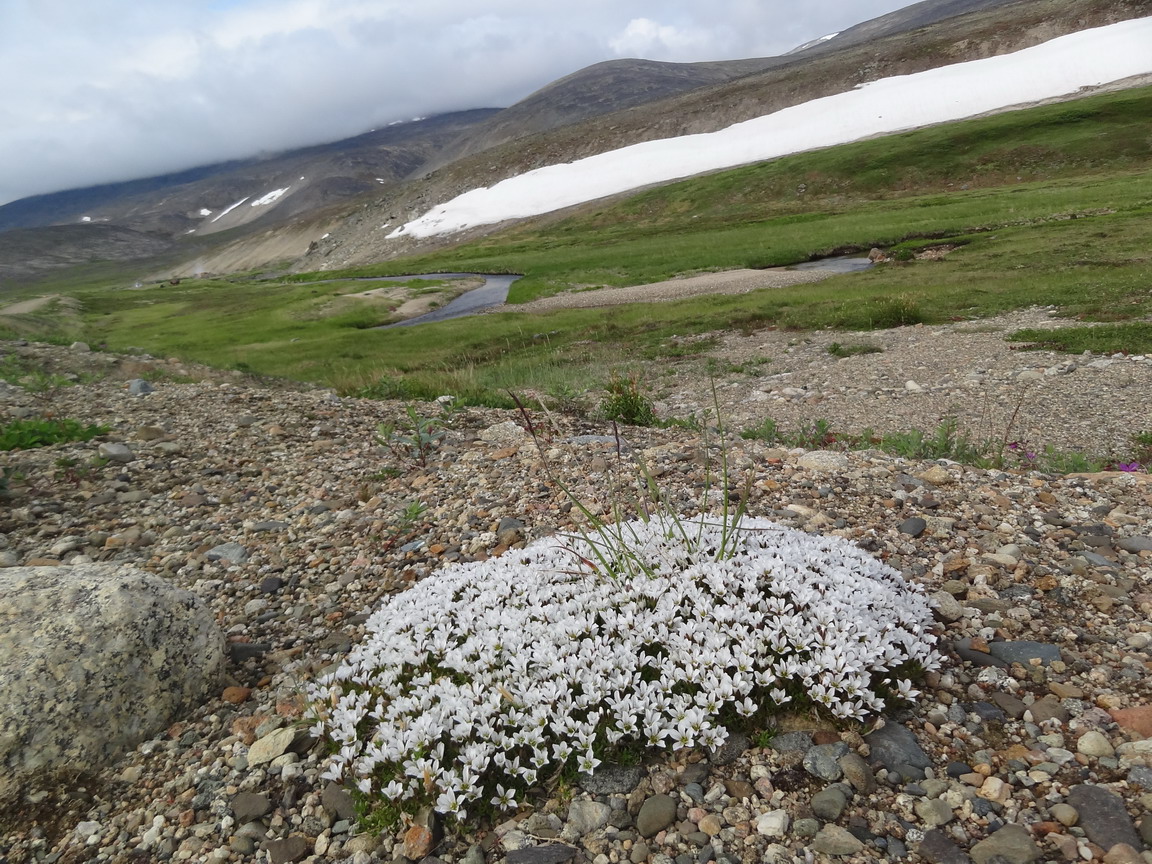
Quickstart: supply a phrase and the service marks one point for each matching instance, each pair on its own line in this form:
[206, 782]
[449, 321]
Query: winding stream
[493, 292]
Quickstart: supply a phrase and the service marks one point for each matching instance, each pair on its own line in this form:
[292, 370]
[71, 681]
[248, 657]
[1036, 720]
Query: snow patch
[85, 218]
[204, 211]
[270, 197]
[228, 210]
[1056, 68]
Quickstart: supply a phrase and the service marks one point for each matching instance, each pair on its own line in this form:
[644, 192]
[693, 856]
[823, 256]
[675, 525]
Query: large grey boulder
[95, 659]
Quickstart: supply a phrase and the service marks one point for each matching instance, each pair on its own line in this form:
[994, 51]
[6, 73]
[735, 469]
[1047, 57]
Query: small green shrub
[947, 442]
[900, 311]
[837, 349]
[41, 432]
[625, 403]
[16, 371]
[386, 387]
[421, 436]
[768, 431]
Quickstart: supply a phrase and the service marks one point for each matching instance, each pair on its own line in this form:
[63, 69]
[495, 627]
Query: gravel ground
[920, 376]
[1034, 742]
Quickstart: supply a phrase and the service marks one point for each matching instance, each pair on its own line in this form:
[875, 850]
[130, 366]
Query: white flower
[498, 669]
[505, 799]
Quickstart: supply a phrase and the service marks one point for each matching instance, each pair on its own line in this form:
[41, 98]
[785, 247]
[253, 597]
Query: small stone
[792, 742]
[79, 347]
[140, 387]
[937, 475]
[1146, 829]
[271, 746]
[1095, 744]
[994, 789]
[829, 803]
[656, 814]
[584, 817]
[236, 695]
[1012, 843]
[1048, 708]
[1103, 816]
[822, 761]
[711, 824]
[114, 451]
[338, 803]
[937, 848]
[248, 807]
[1024, 651]
[774, 823]
[1138, 719]
[947, 608]
[933, 813]
[913, 527]
[1009, 704]
[418, 842]
[730, 750]
[232, 552]
[895, 747]
[1122, 853]
[294, 848]
[805, 828]
[857, 773]
[1134, 545]
[363, 843]
[552, 854]
[1065, 814]
[824, 461]
[739, 789]
[834, 840]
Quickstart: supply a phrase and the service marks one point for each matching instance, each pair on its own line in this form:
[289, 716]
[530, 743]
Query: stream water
[493, 292]
[839, 264]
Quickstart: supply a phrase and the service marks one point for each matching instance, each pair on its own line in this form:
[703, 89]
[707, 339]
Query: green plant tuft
[41, 432]
[626, 403]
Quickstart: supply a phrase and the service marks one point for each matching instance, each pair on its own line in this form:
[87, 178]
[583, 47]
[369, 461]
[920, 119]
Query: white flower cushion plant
[486, 676]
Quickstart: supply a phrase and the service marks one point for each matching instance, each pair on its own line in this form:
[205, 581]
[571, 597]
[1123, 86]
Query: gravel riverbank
[1033, 743]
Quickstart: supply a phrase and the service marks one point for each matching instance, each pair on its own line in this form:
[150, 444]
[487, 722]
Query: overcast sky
[95, 91]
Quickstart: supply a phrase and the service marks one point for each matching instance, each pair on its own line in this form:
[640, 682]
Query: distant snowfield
[228, 210]
[270, 197]
[1057, 68]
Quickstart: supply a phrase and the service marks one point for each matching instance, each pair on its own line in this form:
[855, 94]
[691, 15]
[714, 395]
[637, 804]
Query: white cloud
[646, 38]
[114, 89]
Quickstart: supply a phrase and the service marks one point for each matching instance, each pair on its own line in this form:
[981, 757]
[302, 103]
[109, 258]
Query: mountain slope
[997, 29]
[316, 176]
[349, 189]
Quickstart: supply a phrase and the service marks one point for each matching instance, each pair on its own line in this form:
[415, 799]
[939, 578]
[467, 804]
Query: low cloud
[116, 89]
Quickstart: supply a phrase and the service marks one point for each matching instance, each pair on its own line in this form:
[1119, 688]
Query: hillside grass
[1055, 213]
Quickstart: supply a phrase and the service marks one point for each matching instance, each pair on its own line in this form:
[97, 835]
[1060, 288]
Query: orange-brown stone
[1138, 719]
[236, 695]
[418, 842]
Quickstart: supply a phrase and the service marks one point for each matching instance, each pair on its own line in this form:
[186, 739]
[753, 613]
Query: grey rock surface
[93, 660]
[894, 746]
[612, 780]
[656, 814]
[1012, 843]
[1103, 816]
